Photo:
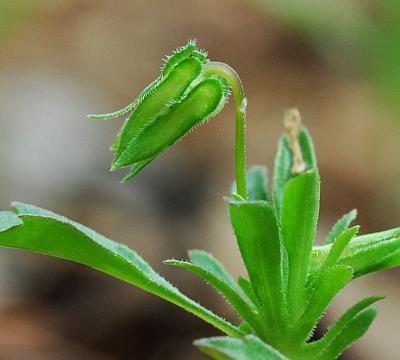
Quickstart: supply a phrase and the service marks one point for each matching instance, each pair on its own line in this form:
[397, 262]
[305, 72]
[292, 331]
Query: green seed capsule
[176, 57]
[182, 53]
[203, 101]
[168, 90]
[184, 96]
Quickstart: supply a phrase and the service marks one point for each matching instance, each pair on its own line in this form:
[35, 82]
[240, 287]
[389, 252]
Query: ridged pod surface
[183, 97]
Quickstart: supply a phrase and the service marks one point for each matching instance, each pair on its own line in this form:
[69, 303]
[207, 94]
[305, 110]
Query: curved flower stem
[230, 75]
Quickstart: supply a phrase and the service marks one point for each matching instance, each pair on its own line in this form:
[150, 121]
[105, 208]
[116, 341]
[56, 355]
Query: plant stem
[230, 75]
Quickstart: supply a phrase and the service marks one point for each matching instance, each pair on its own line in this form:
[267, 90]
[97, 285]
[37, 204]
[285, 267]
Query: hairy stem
[240, 101]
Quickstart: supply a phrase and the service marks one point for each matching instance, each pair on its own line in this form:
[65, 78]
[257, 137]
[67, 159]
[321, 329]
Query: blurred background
[338, 61]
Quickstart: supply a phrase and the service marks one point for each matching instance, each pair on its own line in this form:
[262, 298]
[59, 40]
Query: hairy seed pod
[184, 96]
[168, 90]
[202, 102]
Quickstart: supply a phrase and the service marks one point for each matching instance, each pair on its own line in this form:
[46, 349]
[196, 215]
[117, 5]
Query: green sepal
[199, 105]
[157, 102]
[47, 233]
[228, 348]
[181, 98]
[182, 53]
[128, 108]
[136, 169]
[341, 225]
[212, 271]
[300, 208]
[175, 58]
[284, 163]
[256, 229]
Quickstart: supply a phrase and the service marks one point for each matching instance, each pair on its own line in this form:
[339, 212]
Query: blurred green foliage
[13, 14]
[364, 35]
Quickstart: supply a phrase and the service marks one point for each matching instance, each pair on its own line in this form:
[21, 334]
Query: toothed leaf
[284, 163]
[341, 225]
[339, 245]
[299, 220]
[256, 229]
[341, 324]
[210, 270]
[337, 248]
[246, 328]
[257, 183]
[354, 330]
[247, 288]
[249, 348]
[50, 234]
[365, 253]
[331, 283]
[208, 262]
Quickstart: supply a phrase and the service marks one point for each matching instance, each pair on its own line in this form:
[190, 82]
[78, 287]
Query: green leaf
[212, 271]
[341, 225]
[208, 262]
[256, 228]
[341, 324]
[308, 150]
[8, 220]
[299, 220]
[257, 183]
[366, 253]
[338, 247]
[354, 330]
[334, 254]
[50, 234]
[249, 348]
[388, 262]
[246, 328]
[282, 171]
[331, 283]
[247, 288]
[284, 163]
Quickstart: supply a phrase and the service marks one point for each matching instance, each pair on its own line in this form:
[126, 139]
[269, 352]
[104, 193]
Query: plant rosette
[290, 281]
